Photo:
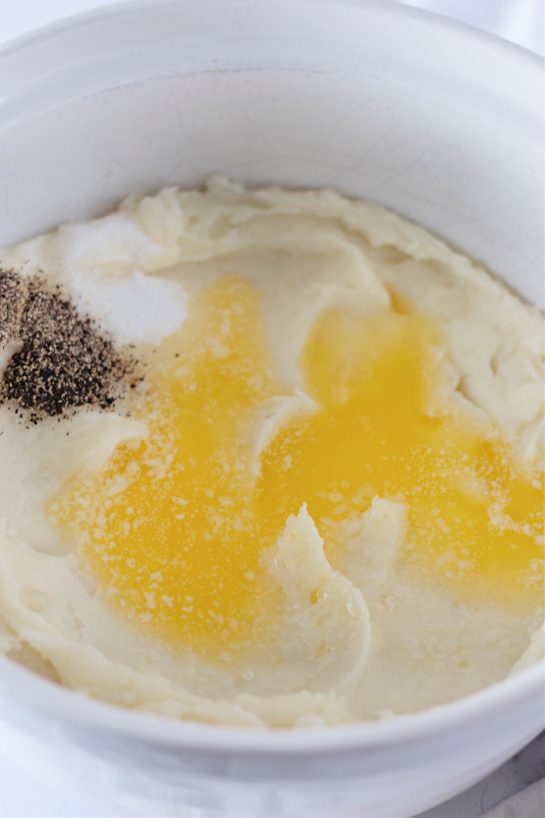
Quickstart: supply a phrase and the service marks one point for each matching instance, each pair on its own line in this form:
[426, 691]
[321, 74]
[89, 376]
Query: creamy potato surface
[321, 498]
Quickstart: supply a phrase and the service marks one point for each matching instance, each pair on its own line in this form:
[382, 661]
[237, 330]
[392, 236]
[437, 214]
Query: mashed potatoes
[324, 501]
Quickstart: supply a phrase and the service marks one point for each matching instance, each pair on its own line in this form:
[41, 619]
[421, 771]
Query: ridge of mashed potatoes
[378, 639]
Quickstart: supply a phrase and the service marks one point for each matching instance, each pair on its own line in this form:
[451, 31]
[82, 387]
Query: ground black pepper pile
[12, 299]
[62, 360]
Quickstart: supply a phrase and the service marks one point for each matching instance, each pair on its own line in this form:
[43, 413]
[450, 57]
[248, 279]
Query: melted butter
[475, 511]
[175, 527]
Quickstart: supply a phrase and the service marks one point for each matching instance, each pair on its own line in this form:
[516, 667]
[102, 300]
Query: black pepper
[63, 360]
[12, 300]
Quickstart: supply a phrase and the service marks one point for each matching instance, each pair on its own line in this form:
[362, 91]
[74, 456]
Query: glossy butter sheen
[175, 529]
[324, 485]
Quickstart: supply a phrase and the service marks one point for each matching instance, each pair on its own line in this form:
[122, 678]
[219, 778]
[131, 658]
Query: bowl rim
[121, 8]
[39, 694]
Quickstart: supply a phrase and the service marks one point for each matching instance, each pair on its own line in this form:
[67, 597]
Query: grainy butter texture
[322, 498]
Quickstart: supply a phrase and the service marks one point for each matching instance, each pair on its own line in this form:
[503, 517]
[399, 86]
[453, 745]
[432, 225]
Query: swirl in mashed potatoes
[324, 502]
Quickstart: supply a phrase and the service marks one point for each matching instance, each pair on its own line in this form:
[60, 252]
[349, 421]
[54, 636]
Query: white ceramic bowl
[437, 121]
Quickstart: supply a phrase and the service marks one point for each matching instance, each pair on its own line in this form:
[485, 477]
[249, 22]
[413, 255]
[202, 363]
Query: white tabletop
[22, 795]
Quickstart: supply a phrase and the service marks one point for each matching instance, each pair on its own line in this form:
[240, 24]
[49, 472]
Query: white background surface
[22, 796]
